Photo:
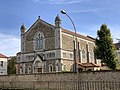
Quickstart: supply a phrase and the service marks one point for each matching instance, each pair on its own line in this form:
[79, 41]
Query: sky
[87, 15]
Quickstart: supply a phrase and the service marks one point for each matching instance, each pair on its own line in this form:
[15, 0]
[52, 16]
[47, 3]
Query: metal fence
[61, 85]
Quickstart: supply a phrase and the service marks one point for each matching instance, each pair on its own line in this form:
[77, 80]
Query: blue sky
[88, 16]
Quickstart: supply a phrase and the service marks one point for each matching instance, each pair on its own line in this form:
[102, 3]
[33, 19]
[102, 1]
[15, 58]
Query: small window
[21, 70]
[57, 66]
[1, 64]
[64, 55]
[50, 68]
[29, 70]
[64, 67]
[71, 55]
[28, 57]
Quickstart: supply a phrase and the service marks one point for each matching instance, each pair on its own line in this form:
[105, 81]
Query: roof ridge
[3, 56]
[78, 35]
[39, 19]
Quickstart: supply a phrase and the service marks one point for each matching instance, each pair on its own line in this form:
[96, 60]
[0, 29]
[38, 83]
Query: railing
[61, 85]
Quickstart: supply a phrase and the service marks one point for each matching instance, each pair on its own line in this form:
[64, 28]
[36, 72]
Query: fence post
[33, 84]
[48, 84]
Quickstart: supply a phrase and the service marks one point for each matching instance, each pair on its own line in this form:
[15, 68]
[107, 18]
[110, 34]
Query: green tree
[12, 65]
[104, 47]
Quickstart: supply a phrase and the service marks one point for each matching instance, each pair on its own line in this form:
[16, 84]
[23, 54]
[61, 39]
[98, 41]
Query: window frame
[1, 63]
[39, 41]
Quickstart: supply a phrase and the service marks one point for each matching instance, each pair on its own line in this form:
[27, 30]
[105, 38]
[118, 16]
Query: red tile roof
[3, 56]
[78, 35]
[88, 65]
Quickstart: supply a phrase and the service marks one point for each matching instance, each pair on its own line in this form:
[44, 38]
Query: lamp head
[63, 12]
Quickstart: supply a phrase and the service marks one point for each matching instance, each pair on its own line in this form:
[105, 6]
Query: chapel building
[47, 48]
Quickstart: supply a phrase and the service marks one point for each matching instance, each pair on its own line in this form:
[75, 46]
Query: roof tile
[3, 56]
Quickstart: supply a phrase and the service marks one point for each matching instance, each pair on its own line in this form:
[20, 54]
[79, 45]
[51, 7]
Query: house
[117, 48]
[51, 48]
[3, 64]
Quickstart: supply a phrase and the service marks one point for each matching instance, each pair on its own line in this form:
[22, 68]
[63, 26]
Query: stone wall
[66, 76]
[40, 77]
[106, 80]
[100, 76]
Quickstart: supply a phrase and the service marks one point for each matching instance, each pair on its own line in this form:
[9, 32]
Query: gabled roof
[3, 56]
[78, 35]
[63, 30]
[39, 20]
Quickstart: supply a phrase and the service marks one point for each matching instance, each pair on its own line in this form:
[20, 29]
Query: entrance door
[39, 70]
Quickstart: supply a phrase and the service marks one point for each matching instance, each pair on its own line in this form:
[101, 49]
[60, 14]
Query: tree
[12, 65]
[104, 47]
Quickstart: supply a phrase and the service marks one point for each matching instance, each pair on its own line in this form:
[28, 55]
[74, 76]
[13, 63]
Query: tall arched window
[91, 56]
[50, 68]
[29, 70]
[39, 40]
[83, 54]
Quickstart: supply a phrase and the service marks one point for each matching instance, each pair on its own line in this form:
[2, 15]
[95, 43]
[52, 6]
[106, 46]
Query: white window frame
[29, 70]
[39, 41]
[84, 54]
[91, 56]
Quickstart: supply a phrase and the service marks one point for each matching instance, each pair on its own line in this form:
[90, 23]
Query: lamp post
[75, 42]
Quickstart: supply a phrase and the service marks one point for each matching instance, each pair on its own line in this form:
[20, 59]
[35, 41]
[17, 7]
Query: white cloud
[84, 10]
[88, 10]
[9, 44]
[59, 1]
[77, 1]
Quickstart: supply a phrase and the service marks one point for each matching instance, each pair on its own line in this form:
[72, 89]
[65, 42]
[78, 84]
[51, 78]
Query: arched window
[64, 67]
[50, 68]
[57, 65]
[39, 40]
[21, 70]
[29, 70]
[91, 56]
[83, 54]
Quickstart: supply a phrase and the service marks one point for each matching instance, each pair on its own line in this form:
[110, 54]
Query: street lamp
[75, 49]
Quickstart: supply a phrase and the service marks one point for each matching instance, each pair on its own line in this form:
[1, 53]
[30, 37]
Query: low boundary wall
[75, 81]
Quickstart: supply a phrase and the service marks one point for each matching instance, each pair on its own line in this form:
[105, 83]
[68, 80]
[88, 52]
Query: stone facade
[67, 42]
[49, 48]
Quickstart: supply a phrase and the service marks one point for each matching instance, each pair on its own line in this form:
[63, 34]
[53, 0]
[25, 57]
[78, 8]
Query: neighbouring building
[3, 64]
[50, 48]
[117, 48]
